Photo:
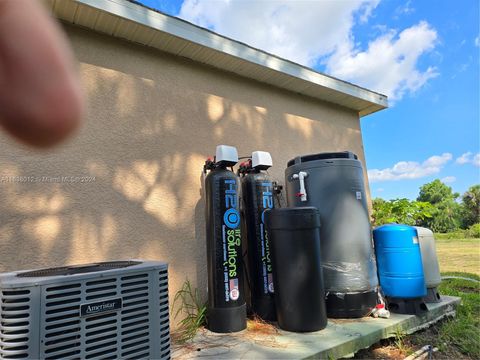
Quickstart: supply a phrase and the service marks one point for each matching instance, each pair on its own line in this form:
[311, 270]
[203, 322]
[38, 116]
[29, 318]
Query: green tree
[471, 206]
[382, 211]
[446, 215]
[400, 211]
[436, 192]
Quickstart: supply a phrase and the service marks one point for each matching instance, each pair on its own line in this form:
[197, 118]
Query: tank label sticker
[234, 292]
[267, 202]
[270, 283]
[358, 195]
[232, 241]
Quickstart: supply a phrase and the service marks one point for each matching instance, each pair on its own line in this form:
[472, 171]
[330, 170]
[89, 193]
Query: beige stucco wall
[152, 120]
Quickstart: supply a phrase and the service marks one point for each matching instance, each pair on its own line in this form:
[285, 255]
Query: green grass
[463, 331]
[461, 257]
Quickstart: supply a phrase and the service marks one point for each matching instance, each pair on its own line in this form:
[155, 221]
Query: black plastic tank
[333, 183]
[257, 194]
[226, 310]
[297, 270]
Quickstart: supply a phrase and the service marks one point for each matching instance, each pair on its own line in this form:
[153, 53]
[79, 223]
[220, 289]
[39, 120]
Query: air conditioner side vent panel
[16, 322]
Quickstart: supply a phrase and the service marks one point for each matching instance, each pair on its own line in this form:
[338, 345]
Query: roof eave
[133, 22]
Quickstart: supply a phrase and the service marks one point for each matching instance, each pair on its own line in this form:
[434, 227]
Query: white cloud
[448, 179]
[405, 9]
[301, 31]
[367, 10]
[469, 158]
[465, 158]
[320, 32]
[410, 169]
[477, 41]
[476, 160]
[389, 65]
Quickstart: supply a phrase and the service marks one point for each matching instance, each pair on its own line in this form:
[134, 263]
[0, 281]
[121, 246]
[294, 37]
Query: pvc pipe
[460, 277]
[418, 352]
[301, 178]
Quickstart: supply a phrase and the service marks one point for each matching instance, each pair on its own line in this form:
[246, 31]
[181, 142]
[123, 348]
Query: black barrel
[226, 302]
[257, 193]
[297, 270]
[334, 184]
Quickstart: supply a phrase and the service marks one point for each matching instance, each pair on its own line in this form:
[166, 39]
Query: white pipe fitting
[301, 178]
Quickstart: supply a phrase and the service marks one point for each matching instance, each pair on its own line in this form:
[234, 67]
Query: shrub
[474, 231]
[458, 234]
[400, 211]
[471, 206]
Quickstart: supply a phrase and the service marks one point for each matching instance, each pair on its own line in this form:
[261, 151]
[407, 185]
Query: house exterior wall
[152, 120]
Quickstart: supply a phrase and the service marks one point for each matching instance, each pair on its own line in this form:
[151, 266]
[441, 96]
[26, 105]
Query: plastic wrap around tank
[333, 183]
[257, 194]
[431, 270]
[400, 267]
[226, 311]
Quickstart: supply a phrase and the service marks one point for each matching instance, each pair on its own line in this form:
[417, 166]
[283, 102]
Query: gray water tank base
[350, 305]
[433, 296]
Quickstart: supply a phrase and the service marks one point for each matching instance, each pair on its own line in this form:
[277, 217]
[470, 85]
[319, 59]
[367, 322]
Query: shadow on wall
[152, 121]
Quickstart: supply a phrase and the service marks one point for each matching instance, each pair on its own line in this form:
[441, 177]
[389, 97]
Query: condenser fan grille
[80, 269]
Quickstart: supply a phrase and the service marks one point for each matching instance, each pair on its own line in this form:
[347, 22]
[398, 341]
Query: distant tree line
[437, 207]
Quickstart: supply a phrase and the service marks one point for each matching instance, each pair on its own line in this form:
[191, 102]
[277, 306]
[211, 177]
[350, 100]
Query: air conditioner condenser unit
[109, 310]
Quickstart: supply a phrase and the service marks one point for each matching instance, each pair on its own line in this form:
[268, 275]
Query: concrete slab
[341, 338]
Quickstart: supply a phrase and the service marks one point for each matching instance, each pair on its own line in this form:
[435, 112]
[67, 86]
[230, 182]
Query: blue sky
[423, 54]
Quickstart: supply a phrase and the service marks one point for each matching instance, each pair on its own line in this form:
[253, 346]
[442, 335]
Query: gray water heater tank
[333, 183]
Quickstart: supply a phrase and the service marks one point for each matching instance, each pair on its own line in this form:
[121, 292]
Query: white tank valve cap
[261, 160]
[226, 154]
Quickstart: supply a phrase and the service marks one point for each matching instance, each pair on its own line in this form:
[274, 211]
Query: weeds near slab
[187, 301]
[399, 341]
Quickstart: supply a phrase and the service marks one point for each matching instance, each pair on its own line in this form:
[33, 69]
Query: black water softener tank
[226, 310]
[257, 194]
[333, 183]
[299, 294]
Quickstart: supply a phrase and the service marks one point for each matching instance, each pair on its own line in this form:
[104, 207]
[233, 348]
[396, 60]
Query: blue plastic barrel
[399, 261]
